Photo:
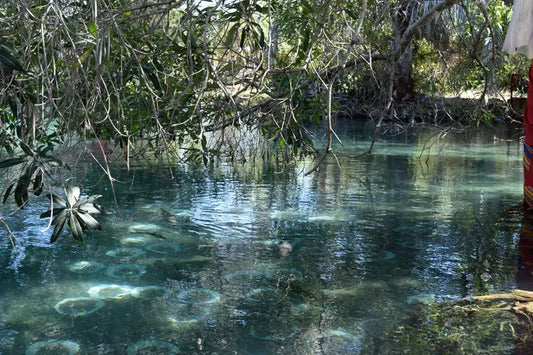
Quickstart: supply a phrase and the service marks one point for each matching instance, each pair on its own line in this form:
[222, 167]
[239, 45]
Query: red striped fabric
[528, 143]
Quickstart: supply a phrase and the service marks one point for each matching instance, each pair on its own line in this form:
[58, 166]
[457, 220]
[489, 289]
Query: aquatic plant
[135, 240]
[152, 346]
[110, 291]
[74, 212]
[479, 325]
[163, 247]
[273, 334]
[246, 277]
[284, 274]
[78, 306]
[53, 346]
[125, 271]
[337, 341]
[180, 313]
[143, 228]
[150, 292]
[86, 267]
[199, 295]
[425, 298]
[264, 295]
[125, 252]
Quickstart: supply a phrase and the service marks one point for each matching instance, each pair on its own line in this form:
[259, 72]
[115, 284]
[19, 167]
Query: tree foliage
[211, 79]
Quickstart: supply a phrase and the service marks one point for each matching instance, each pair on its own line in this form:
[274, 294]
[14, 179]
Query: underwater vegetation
[152, 346]
[110, 291]
[163, 248]
[125, 271]
[53, 346]
[150, 292]
[79, 306]
[460, 327]
[125, 253]
[199, 295]
[86, 267]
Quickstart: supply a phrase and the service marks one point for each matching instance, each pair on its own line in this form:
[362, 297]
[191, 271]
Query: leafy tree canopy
[208, 80]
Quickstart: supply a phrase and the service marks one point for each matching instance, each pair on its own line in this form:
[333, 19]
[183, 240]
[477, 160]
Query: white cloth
[519, 39]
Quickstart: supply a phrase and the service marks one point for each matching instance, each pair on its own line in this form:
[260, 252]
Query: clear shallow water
[196, 262]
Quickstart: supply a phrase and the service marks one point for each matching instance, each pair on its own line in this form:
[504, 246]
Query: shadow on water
[265, 259]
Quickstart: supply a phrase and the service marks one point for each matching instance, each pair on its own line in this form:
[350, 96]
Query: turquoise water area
[265, 259]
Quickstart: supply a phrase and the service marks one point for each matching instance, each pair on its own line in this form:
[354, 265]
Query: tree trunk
[403, 79]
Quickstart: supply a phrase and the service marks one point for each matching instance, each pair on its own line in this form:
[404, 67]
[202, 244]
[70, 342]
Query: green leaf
[13, 106]
[86, 55]
[243, 37]
[86, 201]
[29, 152]
[59, 222]
[57, 200]
[51, 213]
[89, 220]
[158, 65]
[75, 227]
[49, 147]
[8, 59]
[155, 80]
[232, 33]
[92, 28]
[21, 190]
[8, 192]
[307, 8]
[38, 183]
[73, 195]
[11, 162]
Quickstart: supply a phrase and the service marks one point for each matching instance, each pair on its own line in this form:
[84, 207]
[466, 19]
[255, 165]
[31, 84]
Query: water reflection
[262, 260]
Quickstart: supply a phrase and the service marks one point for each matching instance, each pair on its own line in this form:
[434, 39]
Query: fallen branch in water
[524, 304]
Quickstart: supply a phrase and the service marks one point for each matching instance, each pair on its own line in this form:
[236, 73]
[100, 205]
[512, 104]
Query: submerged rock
[284, 249]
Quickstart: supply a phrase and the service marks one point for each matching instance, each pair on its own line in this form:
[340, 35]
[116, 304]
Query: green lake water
[268, 260]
